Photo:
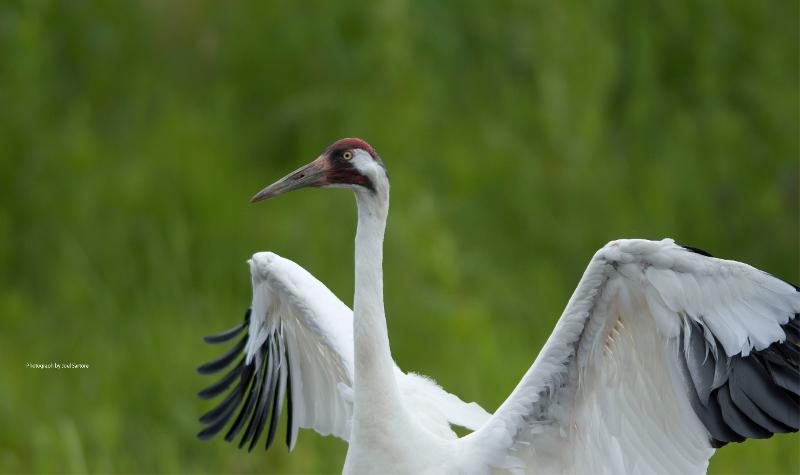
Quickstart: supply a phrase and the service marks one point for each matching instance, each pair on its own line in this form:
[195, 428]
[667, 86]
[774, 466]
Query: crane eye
[348, 155]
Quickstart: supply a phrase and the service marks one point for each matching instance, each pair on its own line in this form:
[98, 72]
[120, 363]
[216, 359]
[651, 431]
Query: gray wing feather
[741, 397]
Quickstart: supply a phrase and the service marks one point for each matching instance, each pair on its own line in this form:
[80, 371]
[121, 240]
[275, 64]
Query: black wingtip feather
[214, 412]
[260, 380]
[247, 379]
[697, 250]
[759, 396]
[216, 425]
[224, 336]
[758, 416]
[226, 408]
[289, 409]
[277, 402]
[770, 398]
[736, 420]
[222, 384]
[223, 361]
[266, 398]
[785, 376]
[230, 333]
[259, 394]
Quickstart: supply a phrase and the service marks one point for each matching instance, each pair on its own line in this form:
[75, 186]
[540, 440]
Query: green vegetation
[520, 136]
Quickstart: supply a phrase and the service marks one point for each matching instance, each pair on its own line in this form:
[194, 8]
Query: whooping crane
[662, 354]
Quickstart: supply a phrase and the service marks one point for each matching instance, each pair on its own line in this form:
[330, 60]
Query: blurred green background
[520, 136]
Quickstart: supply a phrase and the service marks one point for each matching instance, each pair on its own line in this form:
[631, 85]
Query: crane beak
[313, 174]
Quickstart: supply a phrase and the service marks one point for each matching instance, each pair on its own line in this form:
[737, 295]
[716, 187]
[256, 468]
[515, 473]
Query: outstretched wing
[298, 346]
[662, 354]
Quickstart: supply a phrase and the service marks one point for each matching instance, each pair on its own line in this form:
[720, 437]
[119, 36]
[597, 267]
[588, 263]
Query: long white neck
[375, 389]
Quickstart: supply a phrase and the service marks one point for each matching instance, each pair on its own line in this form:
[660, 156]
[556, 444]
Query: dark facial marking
[342, 172]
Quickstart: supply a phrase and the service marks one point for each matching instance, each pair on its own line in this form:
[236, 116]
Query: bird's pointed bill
[313, 174]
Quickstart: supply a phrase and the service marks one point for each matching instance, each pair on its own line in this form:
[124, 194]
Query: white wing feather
[610, 391]
[317, 333]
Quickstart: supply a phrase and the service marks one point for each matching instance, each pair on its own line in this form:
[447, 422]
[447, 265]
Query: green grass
[520, 137]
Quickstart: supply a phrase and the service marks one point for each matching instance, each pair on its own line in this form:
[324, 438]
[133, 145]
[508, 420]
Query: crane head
[347, 163]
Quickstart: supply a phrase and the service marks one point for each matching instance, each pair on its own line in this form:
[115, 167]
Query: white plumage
[608, 392]
[662, 354]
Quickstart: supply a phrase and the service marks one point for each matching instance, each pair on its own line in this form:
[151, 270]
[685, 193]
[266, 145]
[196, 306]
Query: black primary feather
[223, 412]
[277, 402]
[266, 397]
[259, 382]
[228, 334]
[214, 412]
[223, 361]
[247, 408]
[736, 420]
[224, 336]
[697, 250]
[758, 416]
[290, 429]
[742, 397]
[259, 393]
[223, 384]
